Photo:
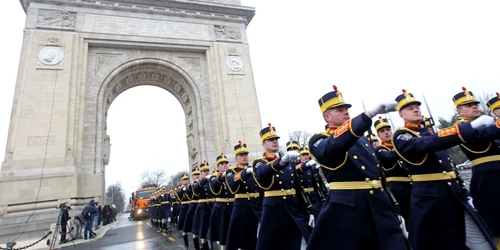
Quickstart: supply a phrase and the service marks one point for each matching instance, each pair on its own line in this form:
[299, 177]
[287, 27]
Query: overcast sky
[369, 49]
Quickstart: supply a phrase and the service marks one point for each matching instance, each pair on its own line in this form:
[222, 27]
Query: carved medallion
[235, 63]
[51, 55]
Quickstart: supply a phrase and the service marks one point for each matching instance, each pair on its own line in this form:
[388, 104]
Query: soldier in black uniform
[494, 105]
[193, 197]
[202, 214]
[221, 214]
[485, 158]
[396, 175]
[373, 139]
[311, 182]
[247, 205]
[184, 200]
[285, 210]
[358, 214]
[438, 201]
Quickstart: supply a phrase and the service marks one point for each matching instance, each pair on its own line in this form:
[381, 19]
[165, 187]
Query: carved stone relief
[56, 18]
[234, 63]
[191, 146]
[50, 57]
[106, 150]
[223, 32]
[103, 59]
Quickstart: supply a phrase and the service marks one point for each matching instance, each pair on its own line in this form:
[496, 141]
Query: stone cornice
[202, 10]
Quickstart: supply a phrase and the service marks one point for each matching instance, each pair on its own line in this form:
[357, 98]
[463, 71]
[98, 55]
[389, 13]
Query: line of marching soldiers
[403, 193]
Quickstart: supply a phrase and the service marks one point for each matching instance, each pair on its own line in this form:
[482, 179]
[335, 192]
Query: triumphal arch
[79, 55]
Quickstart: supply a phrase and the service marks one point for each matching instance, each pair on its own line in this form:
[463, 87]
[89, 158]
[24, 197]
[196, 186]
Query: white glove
[249, 170]
[290, 156]
[471, 203]
[224, 174]
[379, 109]
[482, 121]
[402, 225]
[184, 189]
[310, 163]
[311, 220]
[171, 209]
[208, 177]
[168, 220]
[390, 106]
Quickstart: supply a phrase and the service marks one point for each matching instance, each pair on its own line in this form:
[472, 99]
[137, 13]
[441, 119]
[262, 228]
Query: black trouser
[63, 232]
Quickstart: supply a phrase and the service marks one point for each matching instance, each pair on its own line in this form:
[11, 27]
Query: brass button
[277, 175]
[374, 154]
[248, 198]
[284, 197]
[292, 174]
[440, 161]
[367, 179]
[449, 183]
[382, 189]
[363, 167]
[444, 172]
[371, 192]
[366, 144]
[355, 157]
[244, 181]
[280, 182]
[292, 181]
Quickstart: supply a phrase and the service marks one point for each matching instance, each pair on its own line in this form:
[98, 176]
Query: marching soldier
[311, 181]
[373, 139]
[494, 105]
[202, 214]
[247, 208]
[438, 201]
[285, 213]
[396, 175]
[485, 158]
[175, 203]
[193, 197]
[358, 214]
[221, 214]
[184, 200]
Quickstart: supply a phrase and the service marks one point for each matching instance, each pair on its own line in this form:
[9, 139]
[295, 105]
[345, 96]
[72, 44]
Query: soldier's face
[385, 134]
[222, 167]
[469, 111]
[411, 113]
[496, 113]
[304, 157]
[196, 177]
[242, 158]
[185, 182]
[336, 116]
[375, 144]
[271, 145]
[205, 173]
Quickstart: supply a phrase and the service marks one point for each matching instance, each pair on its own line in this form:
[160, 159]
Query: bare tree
[175, 180]
[114, 195]
[155, 178]
[301, 136]
[483, 98]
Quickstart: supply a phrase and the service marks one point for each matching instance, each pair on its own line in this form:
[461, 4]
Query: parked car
[465, 165]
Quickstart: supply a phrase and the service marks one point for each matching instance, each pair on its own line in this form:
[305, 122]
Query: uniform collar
[330, 130]
[270, 156]
[413, 126]
[387, 144]
[240, 166]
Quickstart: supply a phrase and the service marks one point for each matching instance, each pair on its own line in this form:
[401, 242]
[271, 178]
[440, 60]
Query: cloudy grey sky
[369, 49]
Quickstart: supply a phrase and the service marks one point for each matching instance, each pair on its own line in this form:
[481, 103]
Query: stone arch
[156, 72]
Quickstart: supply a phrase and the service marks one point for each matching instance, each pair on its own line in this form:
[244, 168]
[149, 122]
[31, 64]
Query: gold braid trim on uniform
[213, 192]
[335, 168]
[272, 177]
[477, 152]
[402, 157]
[388, 169]
[229, 186]
[192, 189]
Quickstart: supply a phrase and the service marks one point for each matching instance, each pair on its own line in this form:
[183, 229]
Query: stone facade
[78, 56]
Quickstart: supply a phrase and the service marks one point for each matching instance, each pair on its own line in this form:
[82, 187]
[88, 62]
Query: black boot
[205, 246]
[186, 242]
[196, 243]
